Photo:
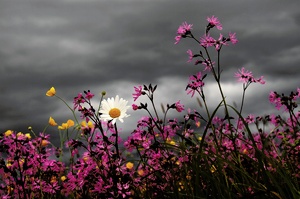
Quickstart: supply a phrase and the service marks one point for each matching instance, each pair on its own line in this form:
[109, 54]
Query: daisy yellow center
[114, 112]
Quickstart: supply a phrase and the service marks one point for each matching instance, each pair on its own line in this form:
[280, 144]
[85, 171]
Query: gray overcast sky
[111, 45]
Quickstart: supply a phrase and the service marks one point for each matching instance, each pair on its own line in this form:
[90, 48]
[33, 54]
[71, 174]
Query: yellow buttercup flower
[129, 165]
[28, 135]
[198, 124]
[44, 143]
[9, 189]
[87, 125]
[51, 92]
[8, 133]
[140, 172]
[20, 134]
[66, 125]
[52, 122]
[63, 178]
[213, 168]
[170, 141]
[53, 179]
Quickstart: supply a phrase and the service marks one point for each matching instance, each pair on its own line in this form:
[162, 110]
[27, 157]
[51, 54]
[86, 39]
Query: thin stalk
[116, 142]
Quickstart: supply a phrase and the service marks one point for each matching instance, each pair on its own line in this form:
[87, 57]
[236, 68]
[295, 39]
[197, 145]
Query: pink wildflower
[214, 21]
[260, 80]
[135, 107]
[274, 98]
[221, 41]
[88, 95]
[190, 53]
[243, 75]
[183, 30]
[195, 84]
[179, 106]
[138, 92]
[232, 38]
[207, 41]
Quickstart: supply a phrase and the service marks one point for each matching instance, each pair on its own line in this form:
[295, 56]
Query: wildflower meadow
[202, 154]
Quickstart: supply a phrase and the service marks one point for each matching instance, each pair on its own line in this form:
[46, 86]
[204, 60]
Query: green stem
[68, 107]
[116, 142]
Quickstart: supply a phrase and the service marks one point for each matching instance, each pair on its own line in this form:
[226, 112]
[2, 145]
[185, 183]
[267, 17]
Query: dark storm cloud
[114, 45]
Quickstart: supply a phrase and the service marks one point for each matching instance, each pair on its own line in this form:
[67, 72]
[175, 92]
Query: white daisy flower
[113, 109]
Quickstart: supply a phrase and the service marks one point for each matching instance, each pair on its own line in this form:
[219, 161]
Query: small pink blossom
[260, 80]
[179, 106]
[195, 84]
[138, 92]
[274, 98]
[183, 30]
[207, 41]
[232, 38]
[208, 64]
[221, 41]
[214, 21]
[190, 53]
[135, 107]
[244, 75]
[88, 95]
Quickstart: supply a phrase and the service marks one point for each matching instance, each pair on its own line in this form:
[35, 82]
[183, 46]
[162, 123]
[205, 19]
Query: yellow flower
[20, 134]
[213, 168]
[129, 165]
[52, 122]
[9, 189]
[198, 124]
[85, 125]
[66, 125]
[63, 178]
[8, 133]
[28, 135]
[9, 163]
[170, 141]
[21, 162]
[90, 124]
[140, 172]
[53, 179]
[51, 92]
[44, 143]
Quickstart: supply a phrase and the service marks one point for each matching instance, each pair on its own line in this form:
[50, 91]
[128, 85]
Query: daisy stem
[116, 142]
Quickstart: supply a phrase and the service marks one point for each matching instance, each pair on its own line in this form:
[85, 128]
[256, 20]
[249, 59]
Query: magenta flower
[179, 106]
[214, 21]
[221, 41]
[195, 84]
[260, 80]
[78, 101]
[88, 95]
[244, 76]
[232, 38]
[190, 53]
[183, 30]
[134, 107]
[207, 41]
[274, 98]
[208, 64]
[138, 92]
